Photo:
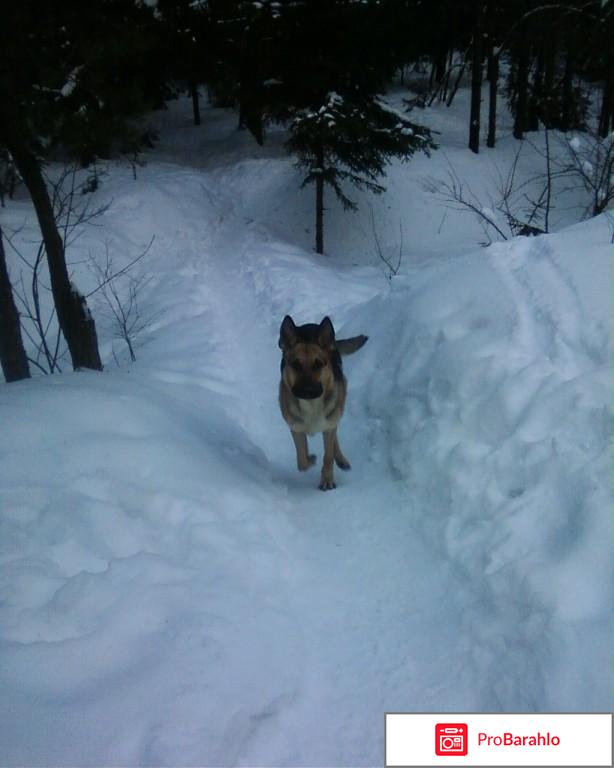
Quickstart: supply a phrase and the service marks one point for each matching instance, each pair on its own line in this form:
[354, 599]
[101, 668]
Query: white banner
[501, 739]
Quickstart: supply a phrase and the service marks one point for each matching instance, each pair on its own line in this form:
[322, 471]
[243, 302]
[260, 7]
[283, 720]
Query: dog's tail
[349, 346]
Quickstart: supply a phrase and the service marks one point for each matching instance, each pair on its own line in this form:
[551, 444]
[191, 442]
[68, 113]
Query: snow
[174, 592]
[70, 85]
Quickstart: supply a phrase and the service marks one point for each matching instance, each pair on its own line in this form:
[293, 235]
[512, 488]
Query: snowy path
[356, 579]
[359, 630]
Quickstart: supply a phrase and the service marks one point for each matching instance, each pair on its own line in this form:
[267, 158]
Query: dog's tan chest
[314, 416]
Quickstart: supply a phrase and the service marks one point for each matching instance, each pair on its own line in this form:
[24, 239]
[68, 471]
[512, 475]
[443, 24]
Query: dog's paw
[343, 464]
[327, 484]
[311, 460]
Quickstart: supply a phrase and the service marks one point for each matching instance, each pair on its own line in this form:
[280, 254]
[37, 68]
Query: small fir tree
[346, 141]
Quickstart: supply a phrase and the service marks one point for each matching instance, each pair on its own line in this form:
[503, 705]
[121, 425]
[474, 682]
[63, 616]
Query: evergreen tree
[320, 67]
[350, 141]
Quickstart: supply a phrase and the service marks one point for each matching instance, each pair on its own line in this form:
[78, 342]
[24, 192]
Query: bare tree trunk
[74, 318]
[461, 72]
[522, 87]
[320, 202]
[493, 74]
[440, 64]
[493, 86]
[432, 75]
[606, 116]
[12, 353]
[566, 108]
[548, 183]
[195, 102]
[251, 98]
[549, 113]
[536, 103]
[476, 80]
[320, 215]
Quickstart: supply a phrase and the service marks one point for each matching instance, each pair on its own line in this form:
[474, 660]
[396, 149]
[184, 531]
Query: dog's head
[311, 361]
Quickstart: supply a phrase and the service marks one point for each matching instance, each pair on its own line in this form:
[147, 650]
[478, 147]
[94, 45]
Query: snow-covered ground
[174, 592]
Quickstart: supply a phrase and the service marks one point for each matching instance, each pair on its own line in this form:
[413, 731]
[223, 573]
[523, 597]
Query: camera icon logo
[451, 739]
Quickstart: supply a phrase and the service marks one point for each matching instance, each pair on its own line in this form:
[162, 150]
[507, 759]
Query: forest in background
[75, 80]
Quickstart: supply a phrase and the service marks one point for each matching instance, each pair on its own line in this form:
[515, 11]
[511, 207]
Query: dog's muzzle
[307, 391]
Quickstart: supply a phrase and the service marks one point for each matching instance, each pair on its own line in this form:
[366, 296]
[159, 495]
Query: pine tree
[318, 66]
[351, 142]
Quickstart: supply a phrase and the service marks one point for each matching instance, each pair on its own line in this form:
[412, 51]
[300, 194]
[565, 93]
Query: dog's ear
[349, 346]
[287, 333]
[326, 333]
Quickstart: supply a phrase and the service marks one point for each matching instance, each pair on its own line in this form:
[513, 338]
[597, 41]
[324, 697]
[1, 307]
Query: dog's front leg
[340, 459]
[304, 459]
[327, 481]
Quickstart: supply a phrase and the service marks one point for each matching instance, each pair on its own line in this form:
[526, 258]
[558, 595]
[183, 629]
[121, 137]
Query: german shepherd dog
[313, 389]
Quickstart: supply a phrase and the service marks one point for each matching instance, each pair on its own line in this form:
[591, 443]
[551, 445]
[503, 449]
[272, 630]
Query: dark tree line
[553, 51]
[75, 76]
